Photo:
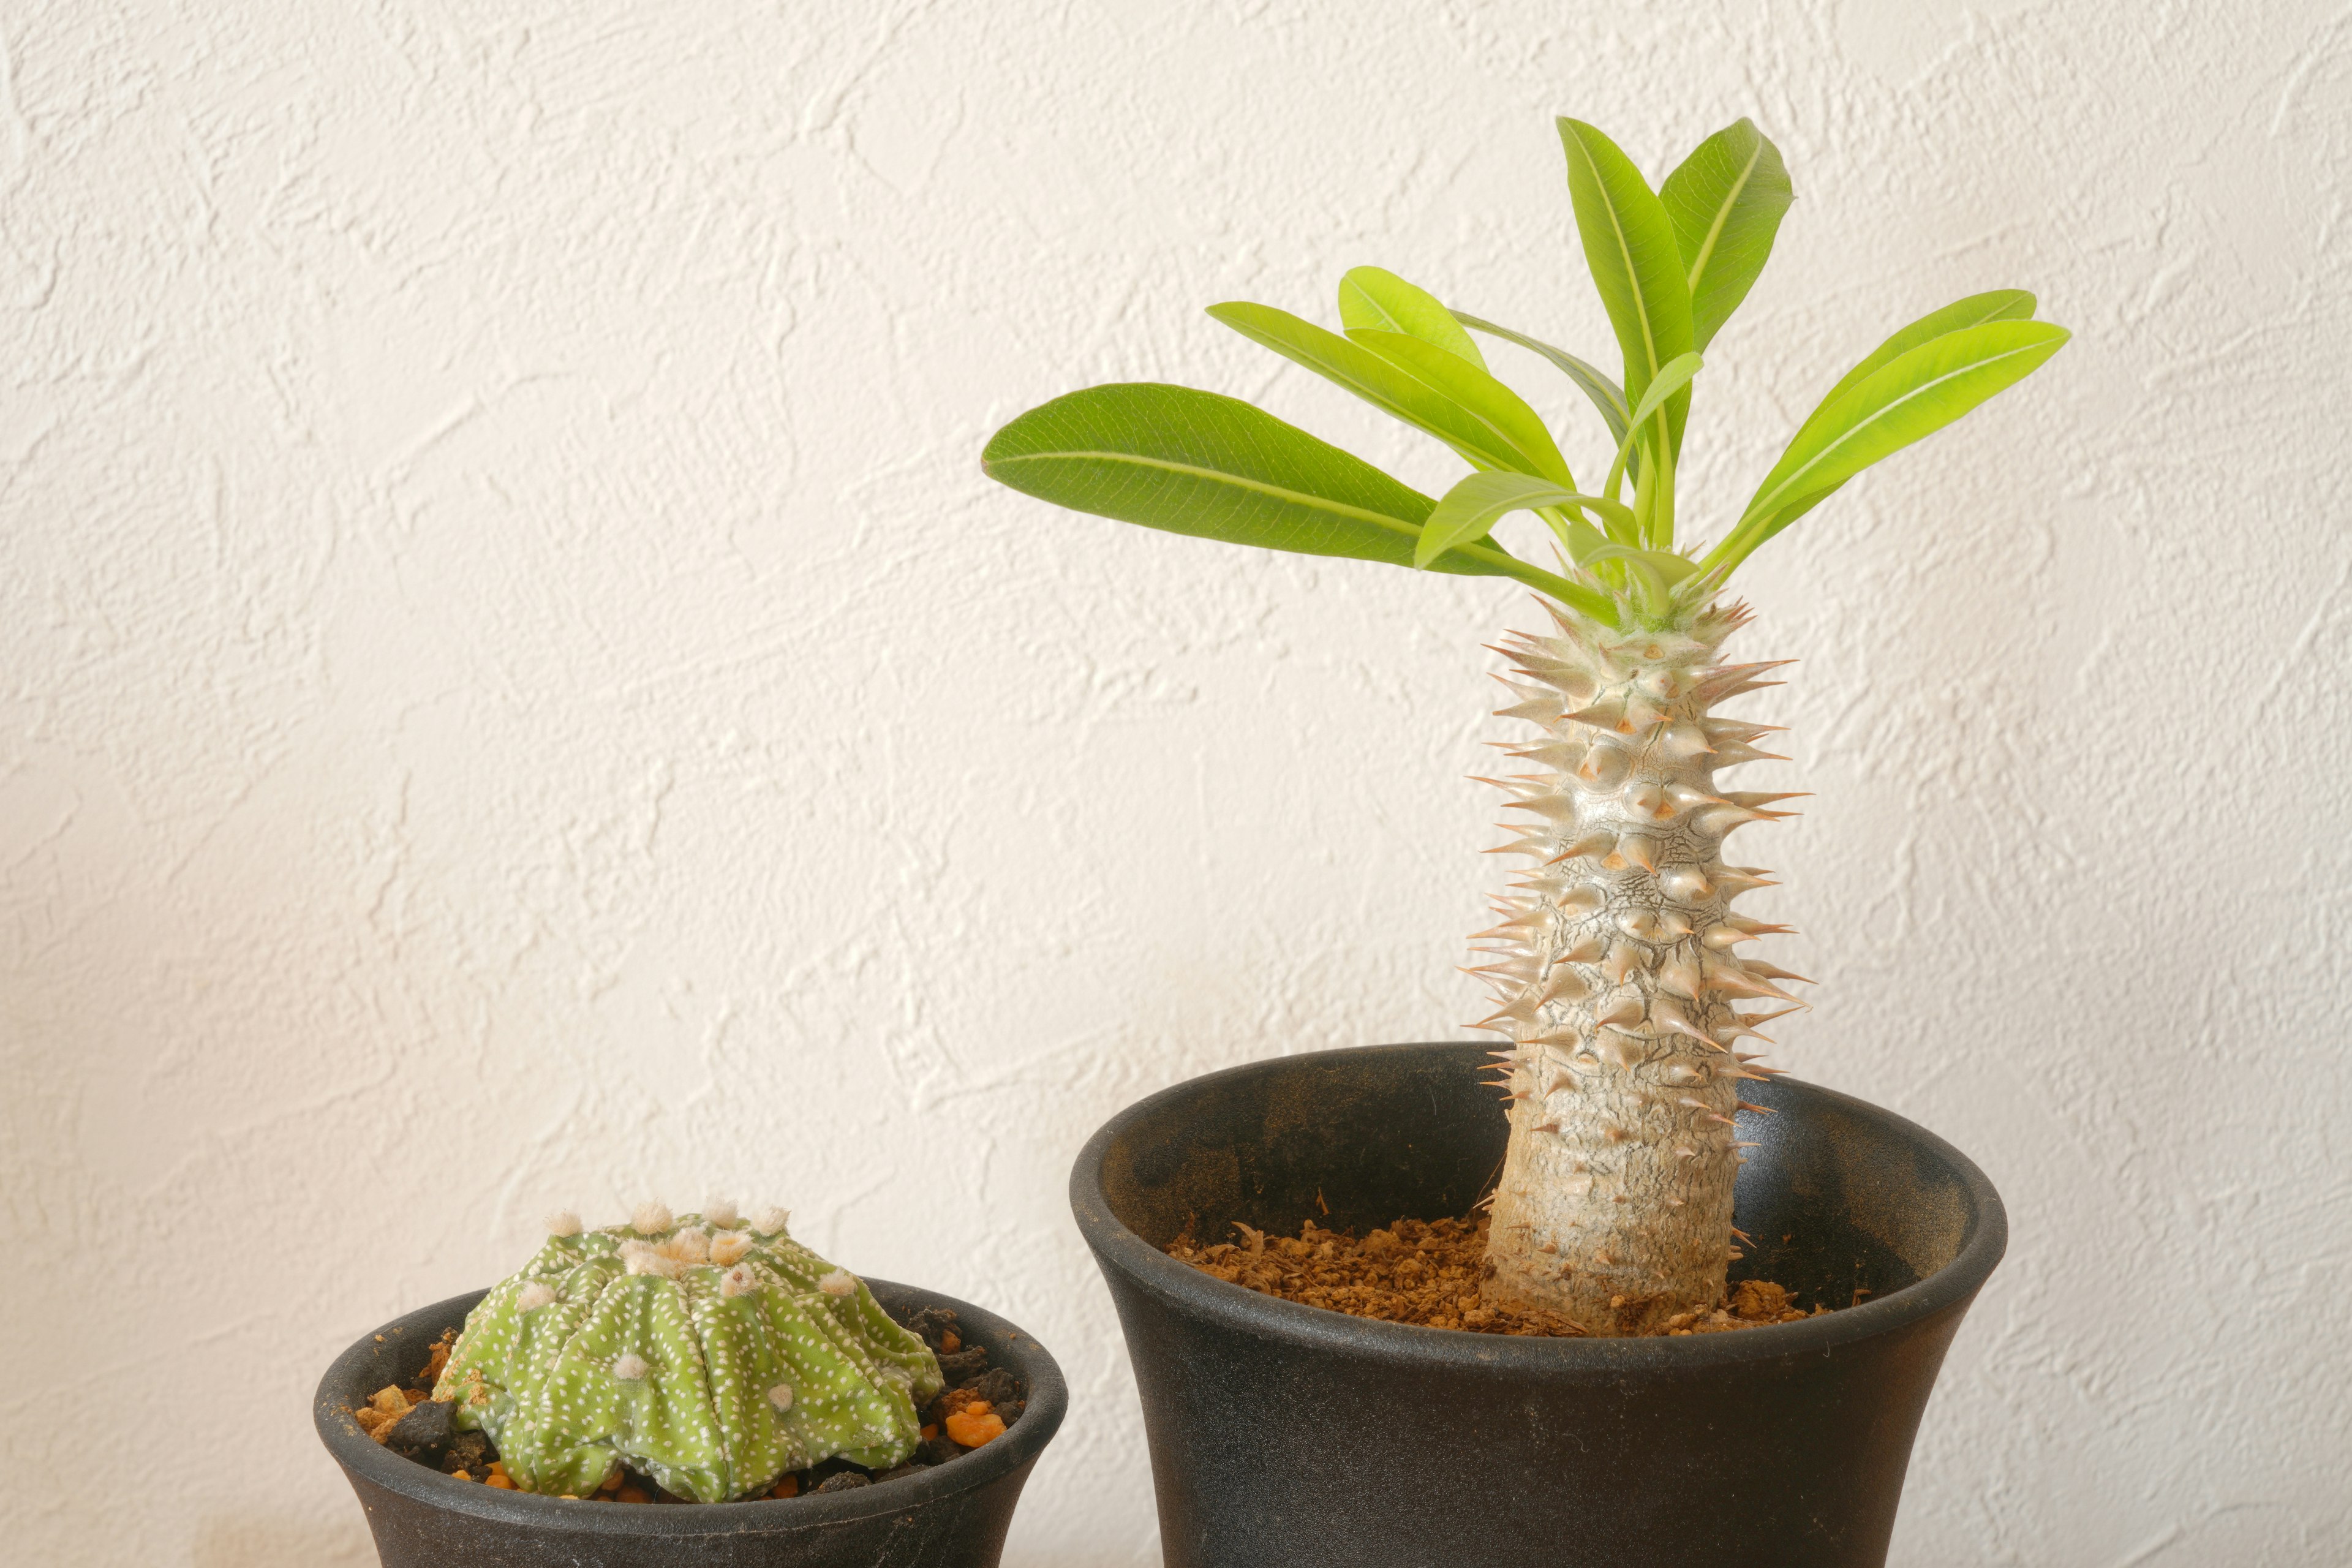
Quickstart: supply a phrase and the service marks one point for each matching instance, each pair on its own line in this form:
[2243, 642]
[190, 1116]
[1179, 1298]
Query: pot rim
[1047, 1401]
[1188, 1290]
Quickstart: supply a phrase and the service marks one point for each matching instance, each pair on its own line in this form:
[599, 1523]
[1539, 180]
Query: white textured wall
[513, 689]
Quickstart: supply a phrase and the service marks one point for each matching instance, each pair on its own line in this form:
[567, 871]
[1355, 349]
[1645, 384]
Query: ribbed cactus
[707, 1351]
[1616, 964]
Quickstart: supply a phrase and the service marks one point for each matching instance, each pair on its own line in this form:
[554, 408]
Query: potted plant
[1619, 965]
[803, 1416]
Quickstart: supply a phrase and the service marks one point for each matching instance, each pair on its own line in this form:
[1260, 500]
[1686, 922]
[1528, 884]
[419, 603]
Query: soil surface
[1427, 1272]
[979, 1403]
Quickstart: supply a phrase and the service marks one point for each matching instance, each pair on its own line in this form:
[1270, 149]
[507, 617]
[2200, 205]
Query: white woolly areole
[563, 1222]
[650, 1219]
[535, 1295]
[631, 1367]
[726, 1250]
[840, 1282]
[781, 1397]
[720, 1212]
[737, 1281]
[771, 1221]
[642, 1258]
[687, 1246]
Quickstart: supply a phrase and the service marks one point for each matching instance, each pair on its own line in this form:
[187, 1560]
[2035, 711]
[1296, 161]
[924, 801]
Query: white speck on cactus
[721, 1212]
[631, 1367]
[771, 1221]
[727, 1250]
[535, 1295]
[781, 1397]
[563, 1222]
[651, 1219]
[840, 1282]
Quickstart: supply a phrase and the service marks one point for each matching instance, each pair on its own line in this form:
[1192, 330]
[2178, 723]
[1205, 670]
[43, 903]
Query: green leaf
[1672, 378]
[1519, 428]
[1916, 394]
[1382, 382]
[1726, 202]
[1669, 566]
[1998, 305]
[1469, 512]
[1380, 300]
[1195, 462]
[1629, 245]
[1604, 394]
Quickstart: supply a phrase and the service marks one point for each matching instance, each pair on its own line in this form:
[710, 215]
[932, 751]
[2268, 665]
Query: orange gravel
[1425, 1272]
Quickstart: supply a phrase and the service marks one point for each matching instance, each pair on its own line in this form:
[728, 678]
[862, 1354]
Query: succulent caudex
[711, 1352]
[1621, 970]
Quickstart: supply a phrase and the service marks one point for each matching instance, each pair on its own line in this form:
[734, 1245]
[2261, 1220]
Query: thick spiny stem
[1616, 976]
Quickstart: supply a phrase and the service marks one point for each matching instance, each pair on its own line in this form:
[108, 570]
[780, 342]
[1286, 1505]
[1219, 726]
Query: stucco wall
[514, 692]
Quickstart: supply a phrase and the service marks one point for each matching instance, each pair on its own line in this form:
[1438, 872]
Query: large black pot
[953, 1516]
[1287, 1437]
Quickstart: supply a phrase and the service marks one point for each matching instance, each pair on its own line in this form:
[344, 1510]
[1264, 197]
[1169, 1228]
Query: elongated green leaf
[1916, 394]
[1380, 300]
[1378, 381]
[1195, 462]
[1604, 393]
[1629, 245]
[1792, 510]
[1519, 428]
[1726, 202]
[1469, 512]
[1998, 305]
[1672, 378]
[1668, 566]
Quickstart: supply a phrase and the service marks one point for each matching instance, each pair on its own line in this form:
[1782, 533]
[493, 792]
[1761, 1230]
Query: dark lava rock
[938, 1450]
[964, 1365]
[422, 1433]
[468, 1451]
[817, 1475]
[848, 1480]
[931, 1325]
[1002, 1394]
[909, 1469]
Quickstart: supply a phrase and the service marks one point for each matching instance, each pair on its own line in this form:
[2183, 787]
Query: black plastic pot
[952, 1516]
[1288, 1436]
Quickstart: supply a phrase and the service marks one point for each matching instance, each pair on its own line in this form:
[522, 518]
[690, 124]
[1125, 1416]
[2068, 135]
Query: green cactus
[707, 1352]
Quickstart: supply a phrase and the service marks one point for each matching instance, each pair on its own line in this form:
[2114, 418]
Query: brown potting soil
[979, 1404]
[1427, 1272]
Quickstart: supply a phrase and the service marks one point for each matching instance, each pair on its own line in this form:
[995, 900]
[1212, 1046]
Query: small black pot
[1286, 1436]
[952, 1516]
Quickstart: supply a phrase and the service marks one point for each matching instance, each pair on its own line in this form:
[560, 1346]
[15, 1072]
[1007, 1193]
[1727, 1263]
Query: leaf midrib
[1853, 431]
[1723, 215]
[1624, 253]
[1220, 476]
